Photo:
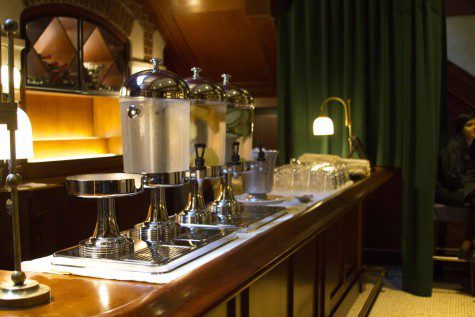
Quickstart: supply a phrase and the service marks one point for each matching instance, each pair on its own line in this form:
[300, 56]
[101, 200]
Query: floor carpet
[448, 299]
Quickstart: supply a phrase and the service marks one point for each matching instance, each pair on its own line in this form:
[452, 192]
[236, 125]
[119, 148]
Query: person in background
[456, 177]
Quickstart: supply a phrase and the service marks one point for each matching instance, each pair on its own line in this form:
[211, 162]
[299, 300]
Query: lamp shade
[23, 138]
[323, 126]
[16, 78]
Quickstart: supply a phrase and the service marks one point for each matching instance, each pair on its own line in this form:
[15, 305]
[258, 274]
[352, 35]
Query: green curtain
[388, 56]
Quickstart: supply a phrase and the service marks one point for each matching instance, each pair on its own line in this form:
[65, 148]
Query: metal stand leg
[106, 241]
[195, 211]
[157, 227]
[226, 206]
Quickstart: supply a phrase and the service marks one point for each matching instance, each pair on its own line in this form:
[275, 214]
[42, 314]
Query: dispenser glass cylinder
[155, 134]
[208, 126]
[239, 128]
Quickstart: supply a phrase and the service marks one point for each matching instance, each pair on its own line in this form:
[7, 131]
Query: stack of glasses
[310, 177]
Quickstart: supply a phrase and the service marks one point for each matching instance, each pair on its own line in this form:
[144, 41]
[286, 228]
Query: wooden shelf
[68, 126]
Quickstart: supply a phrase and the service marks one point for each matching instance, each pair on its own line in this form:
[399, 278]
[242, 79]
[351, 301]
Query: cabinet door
[6, 236]
[333, 265]
[342, 257]
[44, 206]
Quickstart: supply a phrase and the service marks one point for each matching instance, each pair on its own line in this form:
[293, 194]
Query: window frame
[63, 10]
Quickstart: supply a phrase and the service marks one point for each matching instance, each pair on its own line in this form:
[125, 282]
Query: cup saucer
[271, 200]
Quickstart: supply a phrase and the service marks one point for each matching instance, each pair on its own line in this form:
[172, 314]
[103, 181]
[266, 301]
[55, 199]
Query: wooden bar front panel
[306, 266]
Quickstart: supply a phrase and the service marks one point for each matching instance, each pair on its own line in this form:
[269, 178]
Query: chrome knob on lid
[155, 117]
[196, 72]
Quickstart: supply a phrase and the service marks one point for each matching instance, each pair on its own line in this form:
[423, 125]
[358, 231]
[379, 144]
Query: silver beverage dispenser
[208, 144]
[239, 119]
[239, 126]
[155, 117]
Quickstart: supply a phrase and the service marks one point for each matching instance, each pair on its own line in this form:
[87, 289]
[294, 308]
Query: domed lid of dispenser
[235, 94]
[155, 83]
[204, 89]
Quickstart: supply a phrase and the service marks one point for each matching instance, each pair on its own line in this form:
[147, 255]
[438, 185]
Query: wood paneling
[268, 296]
[92, 296]
[382, 218]
[67, 148]
[265, 122]
[107, 117]
[235, 37]
[68, 125]
[305, 281]
[55, 115]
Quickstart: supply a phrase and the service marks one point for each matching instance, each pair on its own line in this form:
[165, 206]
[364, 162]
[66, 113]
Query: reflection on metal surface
[155, 83]
[248, 219]
[104, 185]
[106, 241]
[258, 182]
[104, 296]
[225, 207]
[154, 257]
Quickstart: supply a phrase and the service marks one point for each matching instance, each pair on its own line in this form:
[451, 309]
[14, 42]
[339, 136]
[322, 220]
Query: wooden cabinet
[51, 220]
[308, 265]
[321, 278]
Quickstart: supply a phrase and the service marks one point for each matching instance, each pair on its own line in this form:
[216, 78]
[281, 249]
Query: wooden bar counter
[308, 265]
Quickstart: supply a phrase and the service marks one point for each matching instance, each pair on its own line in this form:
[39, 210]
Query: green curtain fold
[388, 56]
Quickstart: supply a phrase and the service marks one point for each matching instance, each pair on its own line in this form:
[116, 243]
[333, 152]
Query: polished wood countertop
[205, 288]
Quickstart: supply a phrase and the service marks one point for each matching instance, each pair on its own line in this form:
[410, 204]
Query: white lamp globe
[16, 78]
[323, 126]
[23, 138]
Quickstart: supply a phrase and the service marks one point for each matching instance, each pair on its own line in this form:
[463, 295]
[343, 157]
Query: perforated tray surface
[251, 218]
[154, 257]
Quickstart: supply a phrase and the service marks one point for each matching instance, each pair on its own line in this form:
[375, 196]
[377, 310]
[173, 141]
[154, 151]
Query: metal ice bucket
[259, 180]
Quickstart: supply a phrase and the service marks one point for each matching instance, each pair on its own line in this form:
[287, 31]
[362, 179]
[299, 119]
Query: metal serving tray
[154, 257]
[250, 219]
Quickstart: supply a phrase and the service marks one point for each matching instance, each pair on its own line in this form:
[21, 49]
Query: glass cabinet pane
[52, 60]
[104, 60]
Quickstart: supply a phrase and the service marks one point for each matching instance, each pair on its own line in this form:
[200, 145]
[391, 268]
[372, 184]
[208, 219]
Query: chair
[449, 214]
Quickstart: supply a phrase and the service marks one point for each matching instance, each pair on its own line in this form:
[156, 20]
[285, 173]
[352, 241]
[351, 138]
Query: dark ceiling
[238, 37]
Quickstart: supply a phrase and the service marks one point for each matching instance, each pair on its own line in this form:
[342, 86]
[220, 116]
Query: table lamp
[323, 125]
[19, 292]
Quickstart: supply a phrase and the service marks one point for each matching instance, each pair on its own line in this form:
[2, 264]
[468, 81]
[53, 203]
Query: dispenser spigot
[235, 158]
[199, 159]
